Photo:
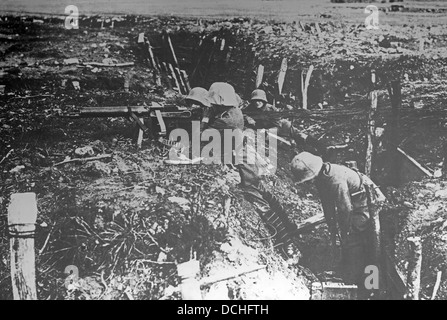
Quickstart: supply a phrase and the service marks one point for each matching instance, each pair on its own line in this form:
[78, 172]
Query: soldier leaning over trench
[344, 201]
[266, 204]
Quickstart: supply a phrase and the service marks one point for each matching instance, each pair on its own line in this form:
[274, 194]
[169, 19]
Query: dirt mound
[420, 211]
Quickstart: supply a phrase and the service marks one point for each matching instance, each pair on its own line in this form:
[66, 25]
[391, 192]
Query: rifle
[137, 114]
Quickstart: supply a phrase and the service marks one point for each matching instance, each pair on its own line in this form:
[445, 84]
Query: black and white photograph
[231, 151]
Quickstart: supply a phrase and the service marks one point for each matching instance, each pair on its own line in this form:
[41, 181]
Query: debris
[76, 85]
[17, 169]
[71, 61]
[182, 202]
[109, 63]
[85, 151]
[7, 155]
[160, 190]
[102, 157]
[333, 291]
[441, 194]
[2, 89]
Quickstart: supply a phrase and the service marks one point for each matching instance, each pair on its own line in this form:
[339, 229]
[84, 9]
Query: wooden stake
[22, 216]
[185, 78]
[282, 75]
[371, 130]
[414, 268]
[305, 85]
[171, 49]
[421, 44]
[180, 81]
[172, 72]
[302, 26]
[140, 134]
[317, 26]
[437, 285]
[259, 76]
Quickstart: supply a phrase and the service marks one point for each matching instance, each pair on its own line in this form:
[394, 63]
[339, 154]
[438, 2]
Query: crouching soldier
[344, 203]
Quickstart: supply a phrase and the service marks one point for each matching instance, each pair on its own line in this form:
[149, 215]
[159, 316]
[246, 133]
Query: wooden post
[140, 134]
[444, 165]
[414, 268]
[282, 75]
[190, 286]
[22, 216]
[305, 85]
[171, 49]
[259, 76]
[371, 129]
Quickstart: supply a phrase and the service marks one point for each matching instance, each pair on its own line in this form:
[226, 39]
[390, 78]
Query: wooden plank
[178, 75]
[259, 76]
[310, 223]
[172, 73]
[414, 268]
[305, 86]
[282, 75]
[333, 291]
[171, 49]
[22, 216]
[410, 169]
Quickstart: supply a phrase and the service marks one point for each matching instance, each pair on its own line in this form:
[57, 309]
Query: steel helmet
[200, 95]
[260, 95]
[306, 166]
[222, 94]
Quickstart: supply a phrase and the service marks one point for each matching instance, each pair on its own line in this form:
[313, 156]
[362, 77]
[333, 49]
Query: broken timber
[410, 169]
[305, 85]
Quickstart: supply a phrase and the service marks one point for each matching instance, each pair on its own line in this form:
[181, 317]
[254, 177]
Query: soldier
[344, 203]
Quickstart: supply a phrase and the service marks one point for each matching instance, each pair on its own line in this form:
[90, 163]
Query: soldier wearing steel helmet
[344, 201]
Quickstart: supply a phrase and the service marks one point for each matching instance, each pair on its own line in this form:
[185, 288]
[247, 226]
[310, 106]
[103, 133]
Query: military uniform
[344, 200]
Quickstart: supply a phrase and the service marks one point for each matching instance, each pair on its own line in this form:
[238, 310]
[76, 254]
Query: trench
[229, 56]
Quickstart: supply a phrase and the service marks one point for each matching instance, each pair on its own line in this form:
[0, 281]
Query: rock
[441, 194]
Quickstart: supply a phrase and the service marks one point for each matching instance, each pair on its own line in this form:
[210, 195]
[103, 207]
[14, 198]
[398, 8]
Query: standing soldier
[344, 201]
